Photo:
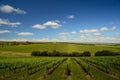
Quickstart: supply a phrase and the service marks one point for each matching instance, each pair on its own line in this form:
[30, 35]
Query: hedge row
[73, 54]
[57, 53]
[106, 53]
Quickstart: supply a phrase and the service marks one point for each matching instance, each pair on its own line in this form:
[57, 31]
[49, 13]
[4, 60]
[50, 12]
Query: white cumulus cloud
[53, 24]
[71, 17]
[24, 33]
[113, 28]
[39, 26]
[73, 32]
[89, 30]
[65, 33]
[7, 22]
[106, 28]
[97, 30]
[97, 34]
[10, 9]
[4, 31]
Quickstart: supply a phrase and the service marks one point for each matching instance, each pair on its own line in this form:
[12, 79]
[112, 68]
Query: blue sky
[60, 20]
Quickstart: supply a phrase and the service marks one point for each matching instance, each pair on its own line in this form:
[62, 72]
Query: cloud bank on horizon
[76, 21]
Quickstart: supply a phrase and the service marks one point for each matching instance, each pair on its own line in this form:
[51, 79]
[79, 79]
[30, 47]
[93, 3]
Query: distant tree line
[73, 54]
[106, 53]
[15, 43]
[57, 53]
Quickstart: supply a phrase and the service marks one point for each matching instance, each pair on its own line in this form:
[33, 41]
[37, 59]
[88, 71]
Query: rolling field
[21, 66]
[62, 47]
[59, 68]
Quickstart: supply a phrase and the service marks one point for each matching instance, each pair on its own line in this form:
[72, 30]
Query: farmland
[17, 64]
[59, 68]
[61, 47]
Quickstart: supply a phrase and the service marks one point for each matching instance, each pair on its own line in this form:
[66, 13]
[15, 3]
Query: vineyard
[59, 68]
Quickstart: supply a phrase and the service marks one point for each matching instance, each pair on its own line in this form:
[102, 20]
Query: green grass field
[62, 47]
[22, 66]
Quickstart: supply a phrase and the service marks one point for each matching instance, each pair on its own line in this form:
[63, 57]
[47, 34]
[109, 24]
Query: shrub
[106, 53]
[75, 54]
[35, 53]
[86, 53]
[57, 53]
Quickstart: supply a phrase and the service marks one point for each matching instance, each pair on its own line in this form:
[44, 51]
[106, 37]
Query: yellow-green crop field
[61, 47]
